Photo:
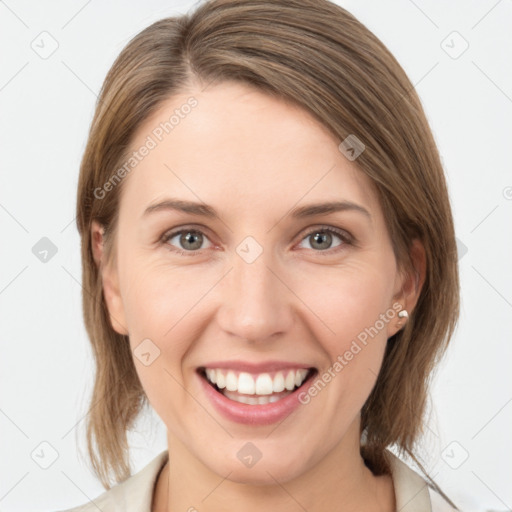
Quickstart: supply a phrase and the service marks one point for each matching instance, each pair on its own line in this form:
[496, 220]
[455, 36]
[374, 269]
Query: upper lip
[252, 367]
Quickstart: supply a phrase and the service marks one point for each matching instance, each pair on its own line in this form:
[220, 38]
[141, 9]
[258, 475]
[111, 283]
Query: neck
[341, 479]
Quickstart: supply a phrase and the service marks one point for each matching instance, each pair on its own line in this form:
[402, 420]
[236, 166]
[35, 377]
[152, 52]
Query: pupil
[189, 239]
[322, 238]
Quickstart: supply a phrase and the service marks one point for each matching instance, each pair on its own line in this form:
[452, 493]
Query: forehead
[241, 149]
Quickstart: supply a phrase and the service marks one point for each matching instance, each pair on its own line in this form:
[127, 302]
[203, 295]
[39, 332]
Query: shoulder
[133, 495]
[412, 492]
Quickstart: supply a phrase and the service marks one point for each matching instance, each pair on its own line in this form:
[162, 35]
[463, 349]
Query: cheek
[158, 298]
[346, 300]
[162, 302]
[170, 306]
[349, 303]
[160, 307]
[163, 305]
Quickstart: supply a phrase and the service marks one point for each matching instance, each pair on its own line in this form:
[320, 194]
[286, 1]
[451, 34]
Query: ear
[408, 285]
[109, 278]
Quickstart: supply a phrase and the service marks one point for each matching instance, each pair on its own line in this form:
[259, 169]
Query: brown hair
[317, 55]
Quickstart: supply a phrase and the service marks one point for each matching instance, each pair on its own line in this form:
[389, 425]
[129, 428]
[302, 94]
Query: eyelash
[346, 238]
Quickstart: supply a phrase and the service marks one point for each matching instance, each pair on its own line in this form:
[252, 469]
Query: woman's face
[248, 285]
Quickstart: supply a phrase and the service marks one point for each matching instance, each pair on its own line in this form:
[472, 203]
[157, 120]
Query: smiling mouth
[256, 389]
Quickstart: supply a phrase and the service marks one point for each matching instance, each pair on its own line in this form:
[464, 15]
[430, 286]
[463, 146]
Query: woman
[269, 261]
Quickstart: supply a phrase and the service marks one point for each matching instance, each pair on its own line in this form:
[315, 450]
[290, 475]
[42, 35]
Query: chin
[253, 466]
[262, 473]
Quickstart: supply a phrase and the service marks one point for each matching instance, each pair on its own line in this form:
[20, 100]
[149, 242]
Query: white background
[46, 106]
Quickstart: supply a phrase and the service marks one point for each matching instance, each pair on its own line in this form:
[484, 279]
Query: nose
[257, 303]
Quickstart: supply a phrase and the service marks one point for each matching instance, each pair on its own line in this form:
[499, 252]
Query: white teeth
[289, 382]
[299, 377]
[221, 380]
[231, 382]
[211, 374]
[278, 384]
[254, 400]
[262, 384]
[246, 384]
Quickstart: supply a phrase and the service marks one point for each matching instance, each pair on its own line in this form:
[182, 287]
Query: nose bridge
[257, 303]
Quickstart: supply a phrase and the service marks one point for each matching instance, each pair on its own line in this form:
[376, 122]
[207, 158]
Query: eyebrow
[204, 210]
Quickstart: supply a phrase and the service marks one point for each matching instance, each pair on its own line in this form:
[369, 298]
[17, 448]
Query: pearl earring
[402, 314]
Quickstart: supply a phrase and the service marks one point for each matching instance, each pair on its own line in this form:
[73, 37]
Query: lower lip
[264, 414]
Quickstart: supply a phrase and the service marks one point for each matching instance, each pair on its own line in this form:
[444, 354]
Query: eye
[321, 238]
[189, 241]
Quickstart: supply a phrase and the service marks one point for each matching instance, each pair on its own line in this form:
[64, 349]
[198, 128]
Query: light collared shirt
[135, 494]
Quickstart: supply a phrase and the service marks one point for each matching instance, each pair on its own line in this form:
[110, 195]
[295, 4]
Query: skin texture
[254, 158]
